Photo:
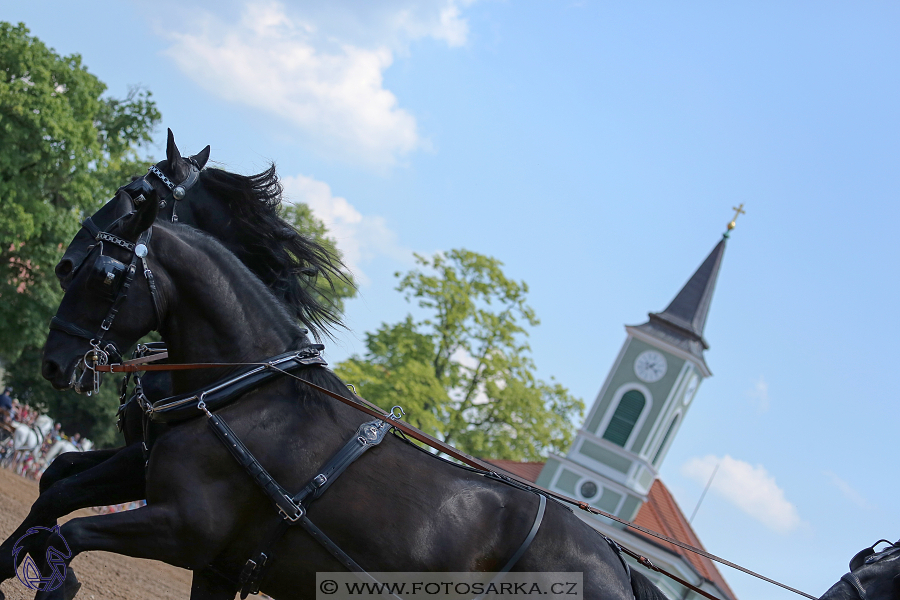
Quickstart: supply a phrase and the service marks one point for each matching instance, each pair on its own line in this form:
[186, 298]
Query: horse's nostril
[50, 369]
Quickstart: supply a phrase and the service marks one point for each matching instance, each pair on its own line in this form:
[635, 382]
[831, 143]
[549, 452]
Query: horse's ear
[201, 157]
[138, 221]
[172, 153]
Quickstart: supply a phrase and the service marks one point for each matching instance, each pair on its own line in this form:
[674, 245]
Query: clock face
[690, 389]
[650, 366]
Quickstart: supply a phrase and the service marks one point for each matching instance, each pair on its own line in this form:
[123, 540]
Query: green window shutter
[626, 415]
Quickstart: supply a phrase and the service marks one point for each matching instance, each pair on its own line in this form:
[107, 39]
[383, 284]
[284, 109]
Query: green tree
[65, 149]
[463, 372]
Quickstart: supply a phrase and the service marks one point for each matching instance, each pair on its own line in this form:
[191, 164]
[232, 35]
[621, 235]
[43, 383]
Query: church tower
[618, 451]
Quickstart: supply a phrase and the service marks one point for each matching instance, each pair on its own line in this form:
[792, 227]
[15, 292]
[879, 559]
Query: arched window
[626, 415]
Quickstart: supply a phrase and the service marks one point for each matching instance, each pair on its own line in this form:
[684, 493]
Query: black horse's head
[109, 302]
[243, 213]
[164, 179]
[874, 575]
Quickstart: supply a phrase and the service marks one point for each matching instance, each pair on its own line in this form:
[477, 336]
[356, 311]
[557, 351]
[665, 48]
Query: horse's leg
[68, 464]
[114, 481]
[154, 532]
[208, 585]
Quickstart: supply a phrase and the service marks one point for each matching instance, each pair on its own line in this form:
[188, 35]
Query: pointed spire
[688, 311]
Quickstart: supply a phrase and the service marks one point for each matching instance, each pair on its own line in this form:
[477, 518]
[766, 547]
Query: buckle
[297, 510]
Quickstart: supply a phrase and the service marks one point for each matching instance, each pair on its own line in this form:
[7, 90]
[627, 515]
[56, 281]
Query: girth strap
[538, 519]
[534, 529]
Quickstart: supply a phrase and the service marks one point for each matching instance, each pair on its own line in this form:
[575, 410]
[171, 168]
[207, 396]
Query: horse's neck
[220, 313]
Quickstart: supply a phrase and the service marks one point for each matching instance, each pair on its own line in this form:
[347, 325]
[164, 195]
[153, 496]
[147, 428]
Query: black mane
[287, 261]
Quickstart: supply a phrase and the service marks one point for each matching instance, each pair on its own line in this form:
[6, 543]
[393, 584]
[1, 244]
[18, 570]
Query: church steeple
[618, 451]
[682, 323]
[685, 317]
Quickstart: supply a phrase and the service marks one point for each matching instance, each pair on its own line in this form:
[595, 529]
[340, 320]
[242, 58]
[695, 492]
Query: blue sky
[596, 149]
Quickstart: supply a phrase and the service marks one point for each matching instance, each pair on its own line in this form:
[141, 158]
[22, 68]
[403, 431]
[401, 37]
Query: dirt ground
[103, 575]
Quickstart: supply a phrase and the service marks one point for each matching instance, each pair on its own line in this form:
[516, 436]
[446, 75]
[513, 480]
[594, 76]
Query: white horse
[61, 446]
[28, 438]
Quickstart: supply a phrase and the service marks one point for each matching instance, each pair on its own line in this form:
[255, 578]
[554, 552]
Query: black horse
[874, 575]
[398, 508]
[243, 212]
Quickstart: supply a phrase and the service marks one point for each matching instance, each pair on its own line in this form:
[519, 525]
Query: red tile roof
[660, 513]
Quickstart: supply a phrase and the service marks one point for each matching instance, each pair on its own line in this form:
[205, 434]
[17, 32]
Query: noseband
[114, 279]
[864, 557]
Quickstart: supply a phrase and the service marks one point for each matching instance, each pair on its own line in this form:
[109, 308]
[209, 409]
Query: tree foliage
[463, 372]
[65, 149]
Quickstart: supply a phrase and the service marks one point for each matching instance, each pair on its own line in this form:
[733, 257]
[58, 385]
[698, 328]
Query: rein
[393, 419]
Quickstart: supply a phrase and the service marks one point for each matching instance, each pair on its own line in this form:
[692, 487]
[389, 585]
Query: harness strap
[854, 581]
[289, 509]
[364, 406]
[70, 328]
[644, 561]
[339, 554]
[534, 529]
[368, 435]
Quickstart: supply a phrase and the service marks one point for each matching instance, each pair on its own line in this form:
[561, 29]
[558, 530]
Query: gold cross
[738, 210]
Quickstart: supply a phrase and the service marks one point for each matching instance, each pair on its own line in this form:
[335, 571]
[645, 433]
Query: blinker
[106, 275]
[858, 560]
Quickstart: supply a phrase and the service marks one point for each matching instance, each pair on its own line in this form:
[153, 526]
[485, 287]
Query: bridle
[113, 279]
[113, 283]
[177, 191]
[867, 556]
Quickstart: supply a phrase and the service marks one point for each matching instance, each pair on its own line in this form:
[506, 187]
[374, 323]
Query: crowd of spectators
[33, 465]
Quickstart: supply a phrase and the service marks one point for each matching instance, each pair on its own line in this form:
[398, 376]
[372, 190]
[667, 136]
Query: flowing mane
[287, 261]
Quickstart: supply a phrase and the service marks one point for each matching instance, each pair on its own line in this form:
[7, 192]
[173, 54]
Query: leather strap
[855, 583]
[538, 519]
[70, 328]
[367, 436]
[217, 395]
[283, 501]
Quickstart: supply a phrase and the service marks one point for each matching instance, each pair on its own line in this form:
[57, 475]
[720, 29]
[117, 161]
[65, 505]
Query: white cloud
[848, 491]
[361, 238]
[318, 67]
[750, 488]
[759, 395]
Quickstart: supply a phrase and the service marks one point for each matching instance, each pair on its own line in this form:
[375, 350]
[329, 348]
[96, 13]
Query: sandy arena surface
[103, 575]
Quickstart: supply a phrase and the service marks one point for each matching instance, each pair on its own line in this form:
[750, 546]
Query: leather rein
[393, 419]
